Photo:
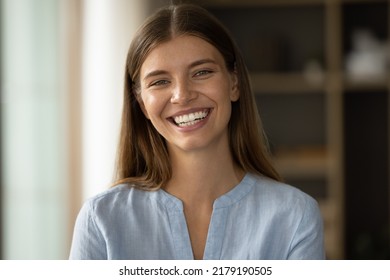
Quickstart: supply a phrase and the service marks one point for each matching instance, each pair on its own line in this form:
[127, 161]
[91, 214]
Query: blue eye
[203, 72]
[159, 83]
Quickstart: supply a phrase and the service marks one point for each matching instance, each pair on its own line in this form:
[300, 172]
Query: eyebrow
[202, 61]
[193, 64]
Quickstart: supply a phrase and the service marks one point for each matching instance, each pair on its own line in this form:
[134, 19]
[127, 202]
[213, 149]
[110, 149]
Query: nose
[183, 93]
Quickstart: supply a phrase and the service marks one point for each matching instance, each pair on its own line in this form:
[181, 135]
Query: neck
[199, 177]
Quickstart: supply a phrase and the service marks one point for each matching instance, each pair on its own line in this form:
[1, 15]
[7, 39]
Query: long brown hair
[143, 158]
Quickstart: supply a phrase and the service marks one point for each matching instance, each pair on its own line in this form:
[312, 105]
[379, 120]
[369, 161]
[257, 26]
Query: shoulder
[281, 196]
[118, 199]
[277, 191]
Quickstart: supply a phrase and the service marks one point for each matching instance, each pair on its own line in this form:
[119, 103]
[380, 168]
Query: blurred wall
[62, 76]
[33, 147]
[108, 29]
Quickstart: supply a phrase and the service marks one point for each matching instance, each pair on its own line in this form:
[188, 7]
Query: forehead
[180, 51]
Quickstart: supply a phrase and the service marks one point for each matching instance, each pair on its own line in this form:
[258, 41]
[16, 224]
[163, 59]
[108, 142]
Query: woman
[194, 180]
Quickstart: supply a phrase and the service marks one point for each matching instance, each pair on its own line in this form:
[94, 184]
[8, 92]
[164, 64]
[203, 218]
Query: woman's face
[186, 92]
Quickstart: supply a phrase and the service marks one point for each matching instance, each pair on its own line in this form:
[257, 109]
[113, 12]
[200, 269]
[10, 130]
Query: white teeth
[191, 119]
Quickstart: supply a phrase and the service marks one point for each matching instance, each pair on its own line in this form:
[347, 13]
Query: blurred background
[319, 69]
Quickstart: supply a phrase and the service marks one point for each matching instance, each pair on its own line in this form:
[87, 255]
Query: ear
[234, 90]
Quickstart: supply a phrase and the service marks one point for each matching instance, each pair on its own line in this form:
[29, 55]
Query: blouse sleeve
[308, 242]
[88, 242]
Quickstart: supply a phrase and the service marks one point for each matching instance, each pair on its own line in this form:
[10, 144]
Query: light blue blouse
[258, 219]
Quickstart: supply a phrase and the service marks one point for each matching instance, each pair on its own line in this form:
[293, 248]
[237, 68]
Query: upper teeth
[191, 117]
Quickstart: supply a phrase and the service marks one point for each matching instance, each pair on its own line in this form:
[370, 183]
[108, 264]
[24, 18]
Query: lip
[197, 125]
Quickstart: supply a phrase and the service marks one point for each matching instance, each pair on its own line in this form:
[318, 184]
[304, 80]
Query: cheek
[152, 106]
[222, 87]
[221, 94]
[222, 97]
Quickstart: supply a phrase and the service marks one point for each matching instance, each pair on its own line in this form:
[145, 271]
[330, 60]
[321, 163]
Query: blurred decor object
[314, 72]
[367, 62]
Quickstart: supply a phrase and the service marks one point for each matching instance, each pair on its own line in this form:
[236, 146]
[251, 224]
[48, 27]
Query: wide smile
[190, 119]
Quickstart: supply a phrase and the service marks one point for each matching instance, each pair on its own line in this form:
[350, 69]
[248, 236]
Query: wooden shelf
[233, 3]
[361, 1]
[332, 240]
[375, 83]
[302, 163]
[287, 83]
[270, 83]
